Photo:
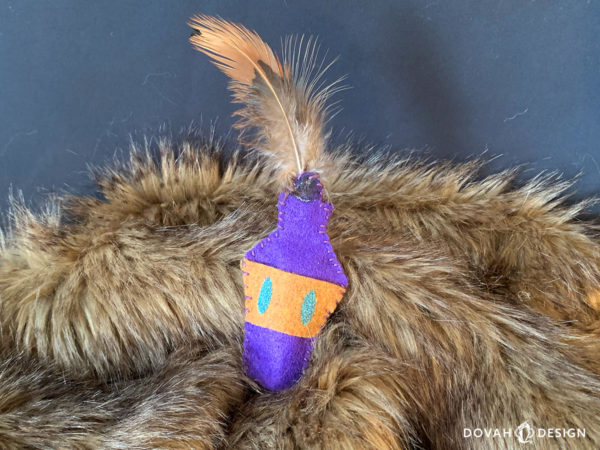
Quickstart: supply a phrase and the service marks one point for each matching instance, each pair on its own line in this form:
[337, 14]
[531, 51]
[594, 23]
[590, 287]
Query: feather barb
[285, 114]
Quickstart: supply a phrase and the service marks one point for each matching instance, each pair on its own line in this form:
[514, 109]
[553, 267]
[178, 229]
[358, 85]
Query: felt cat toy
[293, 280]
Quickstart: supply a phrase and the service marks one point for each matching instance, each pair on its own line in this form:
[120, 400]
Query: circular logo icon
[524, 433]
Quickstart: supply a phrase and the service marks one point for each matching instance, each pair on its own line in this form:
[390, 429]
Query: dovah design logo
[524, 433]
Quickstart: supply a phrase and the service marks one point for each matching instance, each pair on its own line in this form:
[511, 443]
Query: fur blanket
[470, 304]
[471, 317]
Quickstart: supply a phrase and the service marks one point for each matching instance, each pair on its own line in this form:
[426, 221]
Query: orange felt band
[286, 294]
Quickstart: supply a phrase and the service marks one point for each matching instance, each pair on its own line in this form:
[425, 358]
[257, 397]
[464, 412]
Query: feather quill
[283, 103]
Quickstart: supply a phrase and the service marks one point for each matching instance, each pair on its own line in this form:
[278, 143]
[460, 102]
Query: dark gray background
[451, 79]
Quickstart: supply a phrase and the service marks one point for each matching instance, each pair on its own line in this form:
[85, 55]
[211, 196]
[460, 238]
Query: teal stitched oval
[308, 307]
[264, 297]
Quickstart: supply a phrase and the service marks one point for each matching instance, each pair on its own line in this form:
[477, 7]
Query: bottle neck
[300, 216]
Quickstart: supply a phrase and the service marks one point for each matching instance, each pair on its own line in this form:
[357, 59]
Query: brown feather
[282, 105]
[234, 49]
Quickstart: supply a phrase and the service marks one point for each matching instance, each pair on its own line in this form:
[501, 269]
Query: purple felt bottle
[293, 282]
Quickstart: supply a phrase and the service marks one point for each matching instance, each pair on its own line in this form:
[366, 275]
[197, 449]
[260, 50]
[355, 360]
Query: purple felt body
[300, 244]
[276, 360]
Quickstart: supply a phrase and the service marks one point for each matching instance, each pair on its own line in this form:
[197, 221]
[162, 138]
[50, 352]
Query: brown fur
[470, 304]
